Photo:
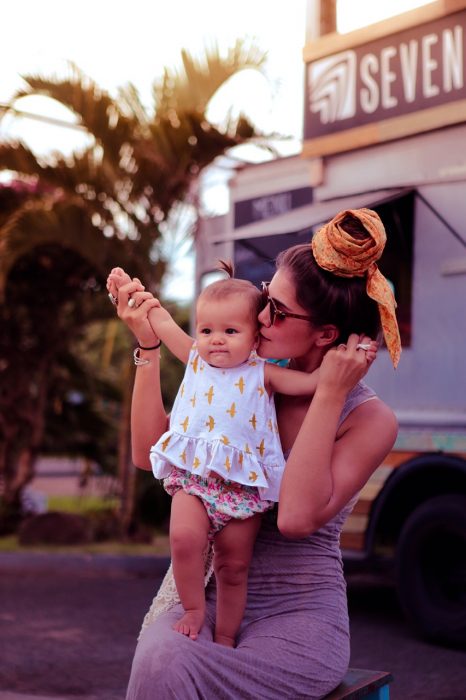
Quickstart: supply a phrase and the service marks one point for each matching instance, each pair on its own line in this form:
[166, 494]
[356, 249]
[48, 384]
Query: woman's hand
[345, 365]
[133, 305]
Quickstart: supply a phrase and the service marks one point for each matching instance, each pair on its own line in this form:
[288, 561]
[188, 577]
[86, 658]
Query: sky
[116, 42]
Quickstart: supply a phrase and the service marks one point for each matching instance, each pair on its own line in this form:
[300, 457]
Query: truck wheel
[431, 569]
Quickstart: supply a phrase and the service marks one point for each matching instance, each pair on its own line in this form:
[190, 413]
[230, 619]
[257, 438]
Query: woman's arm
[148, 417]
[161, 321]
[328, 465]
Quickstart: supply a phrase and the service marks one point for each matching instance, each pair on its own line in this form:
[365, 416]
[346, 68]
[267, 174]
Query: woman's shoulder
[360, 394]
[363, 408]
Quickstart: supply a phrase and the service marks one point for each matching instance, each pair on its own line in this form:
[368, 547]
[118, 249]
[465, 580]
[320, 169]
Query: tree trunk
[126, 469]
[18, 470]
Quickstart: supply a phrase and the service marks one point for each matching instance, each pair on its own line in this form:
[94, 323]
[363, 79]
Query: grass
[158, 547]
[93, 507]
[81, 504]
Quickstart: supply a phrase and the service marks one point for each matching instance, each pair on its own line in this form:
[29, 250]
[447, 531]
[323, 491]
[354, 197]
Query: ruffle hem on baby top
[223, 421]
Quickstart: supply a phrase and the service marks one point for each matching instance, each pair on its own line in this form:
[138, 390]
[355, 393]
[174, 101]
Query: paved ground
[68, 632]
[381, 639]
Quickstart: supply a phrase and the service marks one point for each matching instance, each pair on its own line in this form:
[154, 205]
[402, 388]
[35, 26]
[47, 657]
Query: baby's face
[225, 331]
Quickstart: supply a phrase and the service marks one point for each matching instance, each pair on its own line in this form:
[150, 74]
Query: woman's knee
[161, 667]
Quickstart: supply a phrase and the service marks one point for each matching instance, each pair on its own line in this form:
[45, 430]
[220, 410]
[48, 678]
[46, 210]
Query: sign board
[269, 206]
[406, 82]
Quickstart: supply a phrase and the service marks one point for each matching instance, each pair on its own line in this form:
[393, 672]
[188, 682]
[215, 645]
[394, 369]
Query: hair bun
[345, 254]
[354, 254]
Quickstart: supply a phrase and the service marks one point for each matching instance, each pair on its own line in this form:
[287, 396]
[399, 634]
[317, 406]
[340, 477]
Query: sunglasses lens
[267, 301]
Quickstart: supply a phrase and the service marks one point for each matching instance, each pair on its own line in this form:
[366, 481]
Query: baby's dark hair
[231, 286]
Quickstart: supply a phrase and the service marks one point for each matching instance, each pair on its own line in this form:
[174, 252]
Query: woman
[294, 638]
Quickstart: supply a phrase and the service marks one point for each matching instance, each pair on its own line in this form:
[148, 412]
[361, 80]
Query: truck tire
[431, 569]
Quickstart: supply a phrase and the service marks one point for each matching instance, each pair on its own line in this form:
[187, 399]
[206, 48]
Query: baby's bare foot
[190, 623]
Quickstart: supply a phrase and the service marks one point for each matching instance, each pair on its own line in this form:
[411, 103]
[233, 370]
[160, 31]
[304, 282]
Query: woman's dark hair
[329, 299]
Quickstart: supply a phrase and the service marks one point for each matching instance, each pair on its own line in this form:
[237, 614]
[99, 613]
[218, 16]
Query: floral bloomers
[223, 500]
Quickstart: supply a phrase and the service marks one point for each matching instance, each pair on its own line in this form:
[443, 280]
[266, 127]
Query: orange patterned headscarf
[337, 251]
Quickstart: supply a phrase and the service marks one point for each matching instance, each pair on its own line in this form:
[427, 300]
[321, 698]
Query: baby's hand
[117, 278]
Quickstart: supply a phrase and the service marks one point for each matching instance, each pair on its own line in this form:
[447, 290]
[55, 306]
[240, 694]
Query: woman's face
[290, 337]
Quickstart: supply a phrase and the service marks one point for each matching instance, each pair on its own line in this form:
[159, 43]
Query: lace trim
[167, 595]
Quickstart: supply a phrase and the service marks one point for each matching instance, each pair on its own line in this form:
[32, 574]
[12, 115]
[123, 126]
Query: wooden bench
[359, 683]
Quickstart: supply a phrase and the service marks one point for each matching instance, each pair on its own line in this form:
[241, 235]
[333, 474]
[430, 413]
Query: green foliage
[81, 504]
[64, 223]
[159, 546]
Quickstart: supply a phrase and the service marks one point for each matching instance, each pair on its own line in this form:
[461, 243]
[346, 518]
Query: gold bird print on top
[261, 448]
[240, 384]
[166, 442]
[222, 424]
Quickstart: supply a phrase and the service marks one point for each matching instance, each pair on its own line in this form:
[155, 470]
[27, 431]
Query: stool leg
[379, 694]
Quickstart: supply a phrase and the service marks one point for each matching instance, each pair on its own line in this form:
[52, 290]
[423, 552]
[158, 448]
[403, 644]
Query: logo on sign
[332, 86]
[411, 71]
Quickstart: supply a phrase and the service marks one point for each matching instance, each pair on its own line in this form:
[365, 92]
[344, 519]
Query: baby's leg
[189, 527]
[233, 547]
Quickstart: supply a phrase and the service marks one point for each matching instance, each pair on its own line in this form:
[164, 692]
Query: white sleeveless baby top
[223, 421]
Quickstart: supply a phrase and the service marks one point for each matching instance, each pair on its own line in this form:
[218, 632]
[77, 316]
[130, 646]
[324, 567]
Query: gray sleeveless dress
[294, 638]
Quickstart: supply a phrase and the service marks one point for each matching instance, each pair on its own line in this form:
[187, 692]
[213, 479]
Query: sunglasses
[275, 312]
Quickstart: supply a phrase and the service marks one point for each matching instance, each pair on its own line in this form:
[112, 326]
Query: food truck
[385, 128]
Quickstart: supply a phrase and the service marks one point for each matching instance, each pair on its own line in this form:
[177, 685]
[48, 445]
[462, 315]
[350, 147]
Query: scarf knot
[346, 255]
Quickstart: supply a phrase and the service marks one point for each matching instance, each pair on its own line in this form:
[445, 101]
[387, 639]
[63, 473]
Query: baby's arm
[163, 324]
[294, 383]
[289, 381]
[169, 332]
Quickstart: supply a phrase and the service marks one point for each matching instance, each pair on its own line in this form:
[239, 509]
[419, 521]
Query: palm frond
[63, 223]
[192, 87]
[17, 157]
[96, 110]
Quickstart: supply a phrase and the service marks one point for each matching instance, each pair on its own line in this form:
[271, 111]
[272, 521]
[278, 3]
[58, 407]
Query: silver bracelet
[139, 361]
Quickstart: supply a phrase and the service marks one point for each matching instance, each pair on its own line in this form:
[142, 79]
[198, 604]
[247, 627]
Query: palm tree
[66, 221]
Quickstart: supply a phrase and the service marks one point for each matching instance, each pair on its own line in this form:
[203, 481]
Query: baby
[221, 459]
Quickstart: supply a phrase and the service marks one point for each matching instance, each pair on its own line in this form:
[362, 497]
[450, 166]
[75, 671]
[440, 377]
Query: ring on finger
[363, 346]
[113, 299]
[131, 303]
